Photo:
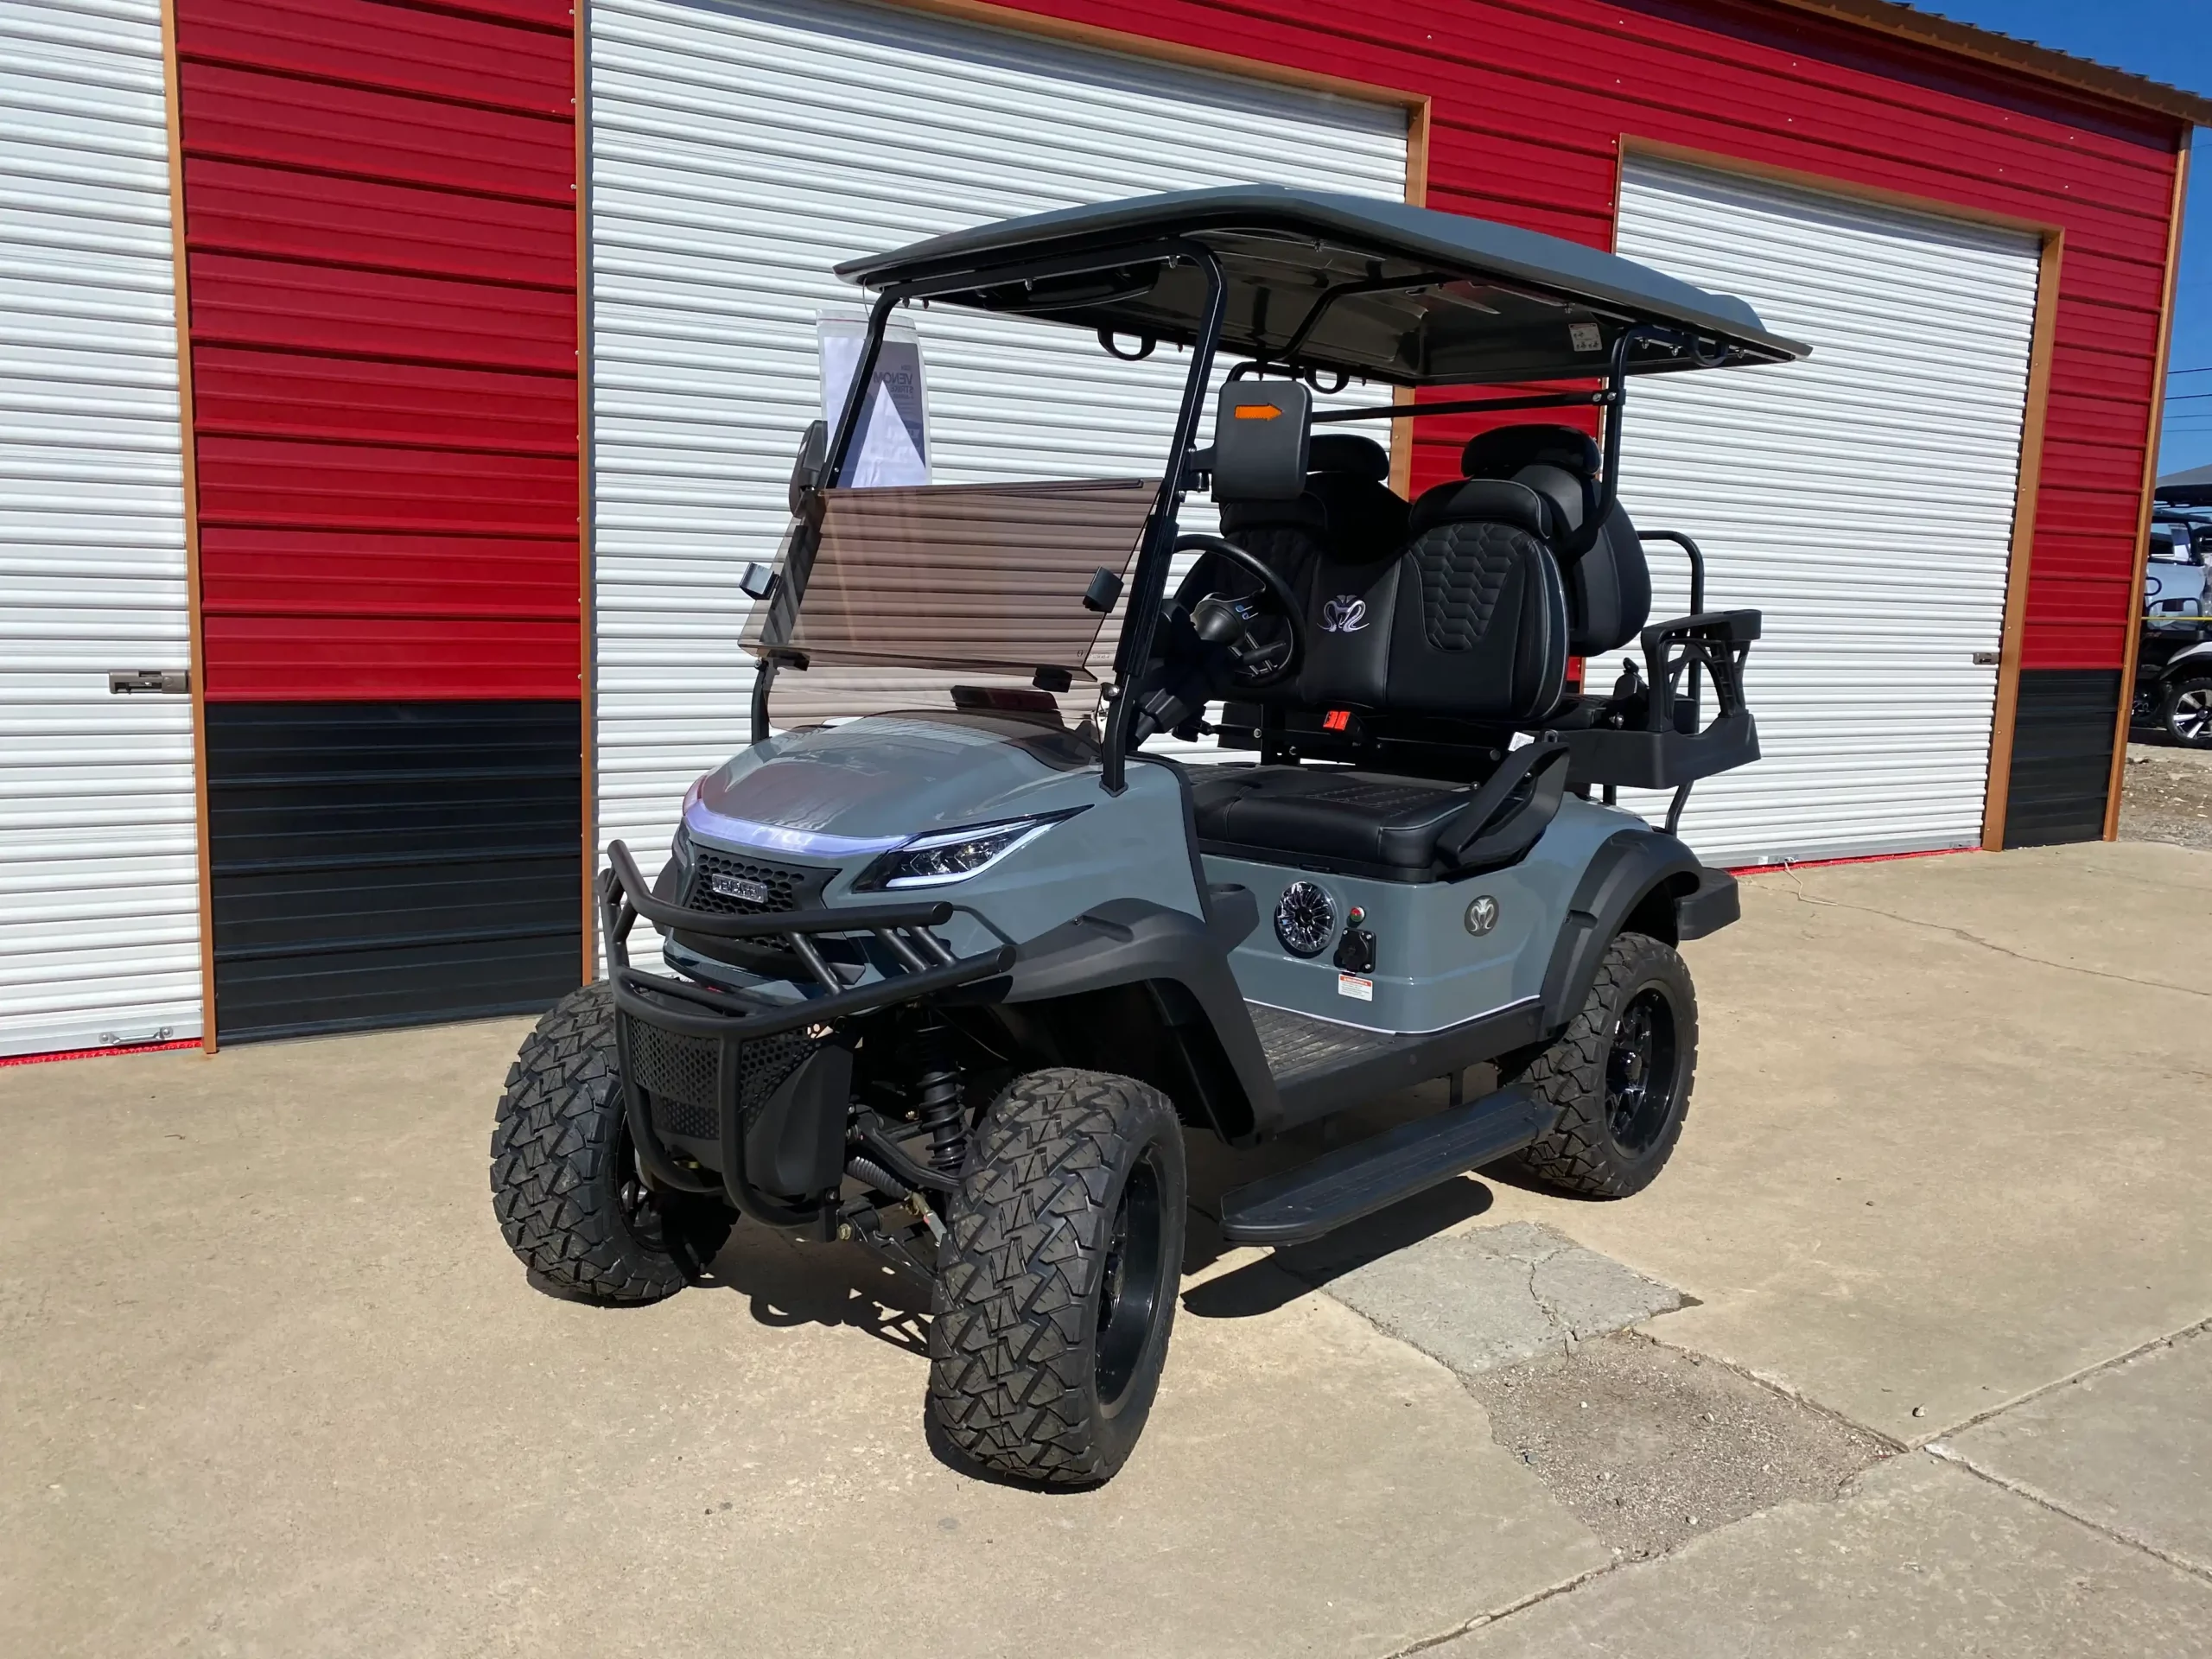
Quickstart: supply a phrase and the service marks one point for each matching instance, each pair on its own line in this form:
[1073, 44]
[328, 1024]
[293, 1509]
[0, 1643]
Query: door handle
[168, 681]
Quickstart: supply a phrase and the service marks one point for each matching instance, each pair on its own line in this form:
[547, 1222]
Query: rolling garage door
[738, 151]
[99, 910]
[1862, 498]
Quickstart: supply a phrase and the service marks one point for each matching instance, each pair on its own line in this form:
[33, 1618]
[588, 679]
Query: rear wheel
[2187, 714]
[1056, 1288]
[1619, 1074]
[565, 1183]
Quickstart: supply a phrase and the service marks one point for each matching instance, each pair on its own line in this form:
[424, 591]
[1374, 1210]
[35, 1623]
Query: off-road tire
[564, 1180]
[1016, 1359]
[1581, 1156]
[2183, 721]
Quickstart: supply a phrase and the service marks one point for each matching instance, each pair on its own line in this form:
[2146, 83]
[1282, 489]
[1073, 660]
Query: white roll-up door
[1862, 498]
[739, 150]
[98, 866]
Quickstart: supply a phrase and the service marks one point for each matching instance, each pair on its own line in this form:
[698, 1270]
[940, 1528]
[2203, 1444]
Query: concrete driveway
[1934, 1376]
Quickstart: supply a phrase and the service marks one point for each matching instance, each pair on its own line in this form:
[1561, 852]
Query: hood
[839, 791]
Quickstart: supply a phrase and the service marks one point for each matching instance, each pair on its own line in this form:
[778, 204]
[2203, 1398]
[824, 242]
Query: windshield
[985, 579]
[1005, 460]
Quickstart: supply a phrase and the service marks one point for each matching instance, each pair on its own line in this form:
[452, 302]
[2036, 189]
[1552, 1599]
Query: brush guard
[718, 1057]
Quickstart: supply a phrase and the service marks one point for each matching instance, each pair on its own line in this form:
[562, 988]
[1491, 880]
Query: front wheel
[1056, 1286]
[565, 1183]
[2187, 715]
[1619, 1074]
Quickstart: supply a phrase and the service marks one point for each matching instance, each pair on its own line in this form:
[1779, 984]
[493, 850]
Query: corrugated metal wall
[1863, 499]
[380, 225]
[739, 148]
[99, 908]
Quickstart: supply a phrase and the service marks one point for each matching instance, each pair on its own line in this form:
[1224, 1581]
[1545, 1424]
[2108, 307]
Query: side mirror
[807, 480]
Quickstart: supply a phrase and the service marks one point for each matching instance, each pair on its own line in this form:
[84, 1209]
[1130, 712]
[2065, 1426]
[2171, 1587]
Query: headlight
[931, 860]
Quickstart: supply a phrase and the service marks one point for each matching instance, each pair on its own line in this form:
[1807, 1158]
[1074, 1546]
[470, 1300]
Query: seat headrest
[1347, 452]
[1506, 450]
[1483, 500]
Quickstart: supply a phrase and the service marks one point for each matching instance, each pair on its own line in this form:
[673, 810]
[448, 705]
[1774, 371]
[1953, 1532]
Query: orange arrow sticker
[1257, 412]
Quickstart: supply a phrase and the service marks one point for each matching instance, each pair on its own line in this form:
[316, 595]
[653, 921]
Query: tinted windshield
[975, 578]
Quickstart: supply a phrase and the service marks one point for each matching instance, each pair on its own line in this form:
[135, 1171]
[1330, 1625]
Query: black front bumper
[757, 1084]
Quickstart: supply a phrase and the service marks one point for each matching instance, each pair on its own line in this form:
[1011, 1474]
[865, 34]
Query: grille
[680, 1075]
[788, 889]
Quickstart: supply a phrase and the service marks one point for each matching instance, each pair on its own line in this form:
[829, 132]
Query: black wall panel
[390, 863]
[2061, 755]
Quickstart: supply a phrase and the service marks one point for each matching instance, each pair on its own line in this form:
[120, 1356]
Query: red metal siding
[1529, 104]
[380, 231]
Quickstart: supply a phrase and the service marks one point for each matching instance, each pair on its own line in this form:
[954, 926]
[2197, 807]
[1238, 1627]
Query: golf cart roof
[1405, 296]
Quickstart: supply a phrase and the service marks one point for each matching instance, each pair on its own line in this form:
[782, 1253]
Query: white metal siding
[740, 150]
[98, 894]
[1862, 498]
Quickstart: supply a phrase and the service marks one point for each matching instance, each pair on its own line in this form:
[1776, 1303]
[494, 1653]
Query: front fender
[1182, 965]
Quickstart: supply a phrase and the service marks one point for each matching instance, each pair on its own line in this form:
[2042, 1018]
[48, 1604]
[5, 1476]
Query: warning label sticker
[1353, 986]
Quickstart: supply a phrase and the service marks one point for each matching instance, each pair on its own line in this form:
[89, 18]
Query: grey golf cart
[953, 982]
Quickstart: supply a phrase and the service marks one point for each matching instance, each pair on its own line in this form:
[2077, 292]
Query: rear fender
[2197, 660]
[1635, 881]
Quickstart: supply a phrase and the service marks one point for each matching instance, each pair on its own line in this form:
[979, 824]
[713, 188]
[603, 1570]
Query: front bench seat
[1348, 475]
[1468, 622]
[1399, 828]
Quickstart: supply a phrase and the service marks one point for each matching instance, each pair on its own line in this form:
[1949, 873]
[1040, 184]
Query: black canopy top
[1420, 297]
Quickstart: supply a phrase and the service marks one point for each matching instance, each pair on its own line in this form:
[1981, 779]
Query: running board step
[1375, 1173]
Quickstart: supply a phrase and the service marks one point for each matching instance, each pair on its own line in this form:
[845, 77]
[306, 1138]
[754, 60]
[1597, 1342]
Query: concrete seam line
[1944, 1454]
[2072, 1377]
[1804, 898]
[1774, 1385]
[1480, 1619]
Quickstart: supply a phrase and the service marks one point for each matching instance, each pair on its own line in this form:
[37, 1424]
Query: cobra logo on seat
[1345, 613]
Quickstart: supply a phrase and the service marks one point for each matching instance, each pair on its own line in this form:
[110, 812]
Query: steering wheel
[1226, 620]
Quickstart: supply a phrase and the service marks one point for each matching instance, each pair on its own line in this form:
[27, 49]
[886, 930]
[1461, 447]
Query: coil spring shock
[936, 1104]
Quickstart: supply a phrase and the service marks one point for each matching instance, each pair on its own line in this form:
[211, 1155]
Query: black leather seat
[1347, 476]
[1334, 813]
[1609, 587]
[1466, 623]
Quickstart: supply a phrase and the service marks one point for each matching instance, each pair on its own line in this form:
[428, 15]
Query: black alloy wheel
[1129, 1283]
[2188, 717]
[1619, 1076]
[1056, 1284]
[1643, 1070]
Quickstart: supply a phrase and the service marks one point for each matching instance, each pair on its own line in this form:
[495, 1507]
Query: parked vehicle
[2174, 573]
[954, 983]
[2173, 678]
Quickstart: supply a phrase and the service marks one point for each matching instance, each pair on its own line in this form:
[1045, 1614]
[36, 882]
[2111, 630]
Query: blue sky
[2169, 40]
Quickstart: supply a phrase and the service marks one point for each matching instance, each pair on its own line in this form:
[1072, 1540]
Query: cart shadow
[788, 1284]
[1281, 1276]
